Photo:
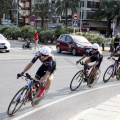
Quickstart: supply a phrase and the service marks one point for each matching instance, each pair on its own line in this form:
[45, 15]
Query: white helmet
[45, 50]
[95, 46]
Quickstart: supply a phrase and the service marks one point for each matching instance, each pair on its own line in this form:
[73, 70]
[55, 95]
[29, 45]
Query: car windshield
[2, 37]
[79, 39]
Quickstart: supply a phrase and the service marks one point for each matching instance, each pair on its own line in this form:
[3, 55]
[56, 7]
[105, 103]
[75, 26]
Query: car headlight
[80, 46]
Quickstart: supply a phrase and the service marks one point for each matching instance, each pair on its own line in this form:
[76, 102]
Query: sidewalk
[109, 110]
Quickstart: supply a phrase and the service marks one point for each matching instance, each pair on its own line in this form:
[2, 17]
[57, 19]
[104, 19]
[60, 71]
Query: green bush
[3, 29]
[46, 35]
[27, 32]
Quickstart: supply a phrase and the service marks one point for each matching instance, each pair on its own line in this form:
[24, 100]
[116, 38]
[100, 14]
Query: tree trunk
[66, 14]
[109, 26]
[42, 23]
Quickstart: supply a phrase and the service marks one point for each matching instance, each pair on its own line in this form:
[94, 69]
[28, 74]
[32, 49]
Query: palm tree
[108, 9]
[5, 8]
[41, 9]
[63, 6]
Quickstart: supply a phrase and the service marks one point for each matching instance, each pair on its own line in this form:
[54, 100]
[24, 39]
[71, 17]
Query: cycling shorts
[42, 71]
[92, 59]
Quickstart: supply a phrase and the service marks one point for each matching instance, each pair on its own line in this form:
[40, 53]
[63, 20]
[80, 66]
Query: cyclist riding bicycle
[46, 70]
[115, 53]
[95, 55]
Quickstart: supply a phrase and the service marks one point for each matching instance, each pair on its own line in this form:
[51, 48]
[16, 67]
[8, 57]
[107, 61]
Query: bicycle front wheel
[17, 101]
[76, 80]
[108, 73]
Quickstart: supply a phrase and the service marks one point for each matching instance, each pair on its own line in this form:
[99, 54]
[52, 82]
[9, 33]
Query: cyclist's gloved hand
[20, 74]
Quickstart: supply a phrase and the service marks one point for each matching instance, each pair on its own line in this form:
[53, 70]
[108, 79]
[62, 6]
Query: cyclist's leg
[49, 80]
[87, 61]
[96, 69]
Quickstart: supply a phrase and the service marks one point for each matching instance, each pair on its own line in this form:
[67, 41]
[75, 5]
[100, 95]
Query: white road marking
[79, 115]
[65, 98]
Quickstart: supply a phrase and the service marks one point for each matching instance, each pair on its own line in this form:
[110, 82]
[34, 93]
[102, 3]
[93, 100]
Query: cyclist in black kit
[46, 70]
[115, 53]
[95, 56]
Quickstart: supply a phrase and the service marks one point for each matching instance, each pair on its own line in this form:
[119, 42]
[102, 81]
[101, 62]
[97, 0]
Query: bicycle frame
[29, 84]
[114, 64]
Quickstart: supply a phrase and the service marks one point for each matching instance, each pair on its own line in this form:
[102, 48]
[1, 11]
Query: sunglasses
[43, 55]
[94, 49]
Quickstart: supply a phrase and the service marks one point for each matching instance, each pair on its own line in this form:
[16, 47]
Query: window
[92, 4]
[53, 1]
[90, 15]
[63, 37]
[69, 39]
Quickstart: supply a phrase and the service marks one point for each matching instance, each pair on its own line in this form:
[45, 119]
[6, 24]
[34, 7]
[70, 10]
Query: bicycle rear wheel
[35, 101]
[108, 73]
[17, 101]
[76, 80]
[90, 83]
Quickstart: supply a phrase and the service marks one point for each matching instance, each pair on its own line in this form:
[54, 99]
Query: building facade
[85, 12]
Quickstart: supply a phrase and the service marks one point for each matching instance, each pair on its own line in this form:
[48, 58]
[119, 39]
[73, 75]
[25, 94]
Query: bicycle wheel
[17, 101]
[35, 101]
[76, 80]
[90, 83]
[108, 73]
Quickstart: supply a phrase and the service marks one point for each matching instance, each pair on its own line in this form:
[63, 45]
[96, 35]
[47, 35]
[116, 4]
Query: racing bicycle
[112, 70]
[26, 94]
[86, 74]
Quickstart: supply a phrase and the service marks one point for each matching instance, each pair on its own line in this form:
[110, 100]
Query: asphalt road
[60, 103]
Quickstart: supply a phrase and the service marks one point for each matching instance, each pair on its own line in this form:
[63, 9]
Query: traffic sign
[75, 16]
[75, 23]
[32, 23]
[32, 18]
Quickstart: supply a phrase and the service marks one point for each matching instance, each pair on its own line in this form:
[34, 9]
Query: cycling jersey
[47, 65]
[95, 57]
[116, 50]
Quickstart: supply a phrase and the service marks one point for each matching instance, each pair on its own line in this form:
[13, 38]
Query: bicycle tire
[35, 101]
[21, 93]
[80, 75]
[112, 67]
[94, 82]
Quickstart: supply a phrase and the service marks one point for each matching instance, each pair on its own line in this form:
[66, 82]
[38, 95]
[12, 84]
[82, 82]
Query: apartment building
[85, 12]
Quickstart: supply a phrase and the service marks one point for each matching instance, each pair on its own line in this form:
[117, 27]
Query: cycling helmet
[45, 50]
[95, 46]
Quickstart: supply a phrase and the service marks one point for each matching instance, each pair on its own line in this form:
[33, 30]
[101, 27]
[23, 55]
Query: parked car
[75, 44]
[4, 44]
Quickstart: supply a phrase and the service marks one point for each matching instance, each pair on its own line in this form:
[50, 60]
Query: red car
[75, 44]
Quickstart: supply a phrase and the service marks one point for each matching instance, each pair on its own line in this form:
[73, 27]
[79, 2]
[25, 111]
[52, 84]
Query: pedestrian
[116, 41]
[36, 38]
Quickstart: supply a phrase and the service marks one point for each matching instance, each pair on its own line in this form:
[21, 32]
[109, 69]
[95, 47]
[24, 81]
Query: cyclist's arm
[28, 67]
[82, 57]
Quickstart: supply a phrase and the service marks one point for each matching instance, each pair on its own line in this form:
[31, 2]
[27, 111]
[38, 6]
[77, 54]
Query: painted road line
[60, 100]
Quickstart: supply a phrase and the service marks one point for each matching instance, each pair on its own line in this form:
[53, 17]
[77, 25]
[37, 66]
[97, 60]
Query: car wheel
[73, 51]
[7, 50]
[58, 49]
